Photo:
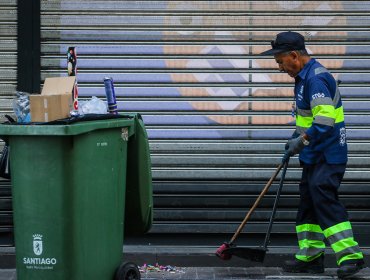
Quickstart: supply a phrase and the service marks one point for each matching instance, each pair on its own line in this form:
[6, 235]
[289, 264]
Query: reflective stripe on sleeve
[339, 115]
[304, 121]
[324, 110]
[304, 113]
[320, 70]
[321, 101]
[324, 120]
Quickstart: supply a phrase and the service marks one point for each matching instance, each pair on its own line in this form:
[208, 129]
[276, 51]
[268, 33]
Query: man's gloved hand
[293, 147]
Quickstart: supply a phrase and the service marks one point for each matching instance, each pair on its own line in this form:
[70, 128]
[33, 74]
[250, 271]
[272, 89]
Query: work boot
[298, 266]
[350, 267]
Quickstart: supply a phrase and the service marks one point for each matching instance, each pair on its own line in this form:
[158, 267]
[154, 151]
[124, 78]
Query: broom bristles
[221, 252]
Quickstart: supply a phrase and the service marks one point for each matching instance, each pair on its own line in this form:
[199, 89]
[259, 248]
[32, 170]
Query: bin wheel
[127, 271]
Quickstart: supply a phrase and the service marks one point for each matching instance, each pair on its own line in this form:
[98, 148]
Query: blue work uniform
[319, 114]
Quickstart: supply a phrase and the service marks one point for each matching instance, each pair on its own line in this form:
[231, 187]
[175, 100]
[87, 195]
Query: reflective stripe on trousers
[340, 237]
[321, 215]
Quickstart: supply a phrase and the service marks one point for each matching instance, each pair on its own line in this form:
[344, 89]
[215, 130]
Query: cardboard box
[55, 100]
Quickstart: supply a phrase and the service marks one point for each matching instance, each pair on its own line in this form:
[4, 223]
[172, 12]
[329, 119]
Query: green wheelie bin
[68, 187]
[139, 191]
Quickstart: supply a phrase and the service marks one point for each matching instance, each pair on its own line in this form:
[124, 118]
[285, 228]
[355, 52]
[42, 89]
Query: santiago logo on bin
[38, 249]
[37, 244]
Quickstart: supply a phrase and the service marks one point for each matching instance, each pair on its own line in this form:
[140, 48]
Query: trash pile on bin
[59, 98]
[56, 102]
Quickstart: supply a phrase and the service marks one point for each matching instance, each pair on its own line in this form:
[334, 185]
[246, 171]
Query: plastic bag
[21, 107]
[93, 106]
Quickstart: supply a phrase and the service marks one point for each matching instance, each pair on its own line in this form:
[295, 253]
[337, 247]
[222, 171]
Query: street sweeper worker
[320, 141]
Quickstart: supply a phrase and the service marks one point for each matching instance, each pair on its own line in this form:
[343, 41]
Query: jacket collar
[303, 73]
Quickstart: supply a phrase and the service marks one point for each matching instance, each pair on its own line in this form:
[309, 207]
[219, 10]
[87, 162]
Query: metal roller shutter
[8, 82]
[8, 54]
[217, 113]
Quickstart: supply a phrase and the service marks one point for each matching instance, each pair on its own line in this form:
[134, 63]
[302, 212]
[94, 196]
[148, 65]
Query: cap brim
[272, 52]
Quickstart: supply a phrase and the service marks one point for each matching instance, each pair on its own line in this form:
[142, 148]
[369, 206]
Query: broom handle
[278, 192]
[265, 189]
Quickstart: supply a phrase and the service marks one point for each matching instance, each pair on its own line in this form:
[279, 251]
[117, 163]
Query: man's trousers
[321, 215]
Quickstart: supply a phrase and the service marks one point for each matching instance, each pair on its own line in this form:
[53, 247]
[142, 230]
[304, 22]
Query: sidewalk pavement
[200, 263]
[225, 273]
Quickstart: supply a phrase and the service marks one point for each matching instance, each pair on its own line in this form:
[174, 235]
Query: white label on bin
[37, 244]
[102, 144]
[124, 133]
[39, 262]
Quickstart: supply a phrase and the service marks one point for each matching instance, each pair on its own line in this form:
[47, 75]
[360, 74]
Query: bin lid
[73, 128]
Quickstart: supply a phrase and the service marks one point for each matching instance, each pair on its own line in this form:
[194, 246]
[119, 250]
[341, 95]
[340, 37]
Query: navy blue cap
[286, 41]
